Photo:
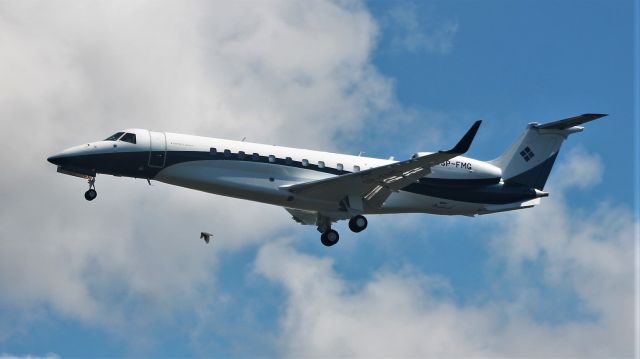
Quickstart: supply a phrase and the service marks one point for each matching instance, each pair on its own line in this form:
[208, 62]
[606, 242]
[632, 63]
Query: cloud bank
[404, 314]
[275, 72]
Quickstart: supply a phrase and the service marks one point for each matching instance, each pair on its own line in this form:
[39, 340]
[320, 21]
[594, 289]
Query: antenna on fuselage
[243, 138]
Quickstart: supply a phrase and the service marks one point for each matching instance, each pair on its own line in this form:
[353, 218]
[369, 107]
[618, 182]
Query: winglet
[465, 142]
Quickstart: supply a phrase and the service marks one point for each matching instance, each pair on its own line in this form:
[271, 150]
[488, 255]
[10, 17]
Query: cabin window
[255, 157]
[356, 168]
[320, 164]
[227, 153]
[272, 158]
[288, 160]
[114, 137]
[241, 155]
[340, 167]
[305, 162]
[213, 151]
[129, 137]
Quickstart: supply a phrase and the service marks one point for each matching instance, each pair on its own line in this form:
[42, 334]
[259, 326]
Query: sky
[127, 275]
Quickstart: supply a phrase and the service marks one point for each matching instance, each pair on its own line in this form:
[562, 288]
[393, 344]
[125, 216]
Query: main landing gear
[91, 194]
[330, 236]
[358, 224]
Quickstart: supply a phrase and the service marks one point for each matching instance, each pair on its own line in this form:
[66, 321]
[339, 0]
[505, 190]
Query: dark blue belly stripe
[135, 164]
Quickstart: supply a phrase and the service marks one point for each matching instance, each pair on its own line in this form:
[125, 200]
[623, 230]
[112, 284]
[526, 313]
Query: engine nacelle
[463, 168]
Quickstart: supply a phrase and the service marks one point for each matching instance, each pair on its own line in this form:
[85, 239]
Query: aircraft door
[157, 149]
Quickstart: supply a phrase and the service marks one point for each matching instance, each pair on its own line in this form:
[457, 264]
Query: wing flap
[302, 216]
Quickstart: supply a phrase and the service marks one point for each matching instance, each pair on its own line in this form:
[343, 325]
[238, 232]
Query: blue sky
[126, 276]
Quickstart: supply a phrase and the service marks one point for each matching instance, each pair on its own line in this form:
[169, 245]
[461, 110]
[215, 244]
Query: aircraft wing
[374, 185]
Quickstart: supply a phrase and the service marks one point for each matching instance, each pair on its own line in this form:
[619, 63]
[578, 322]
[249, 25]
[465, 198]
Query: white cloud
[276, 72]
[392, 315]
[415, 34]
[582, 170]
[404, 314]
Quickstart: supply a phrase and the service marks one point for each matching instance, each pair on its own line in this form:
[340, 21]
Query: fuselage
[260, 172]
[321, 188]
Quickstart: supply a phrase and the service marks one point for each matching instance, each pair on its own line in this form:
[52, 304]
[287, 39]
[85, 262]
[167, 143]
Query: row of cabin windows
[272, 159]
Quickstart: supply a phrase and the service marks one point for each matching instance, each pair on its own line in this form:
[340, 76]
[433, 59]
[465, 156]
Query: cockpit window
[129, 137]
[114, 137]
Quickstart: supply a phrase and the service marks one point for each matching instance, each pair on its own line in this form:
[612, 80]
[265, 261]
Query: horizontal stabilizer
[570, 122]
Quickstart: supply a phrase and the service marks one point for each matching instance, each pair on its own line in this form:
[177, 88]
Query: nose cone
[56, 159]
[74, 161]
[69, 155]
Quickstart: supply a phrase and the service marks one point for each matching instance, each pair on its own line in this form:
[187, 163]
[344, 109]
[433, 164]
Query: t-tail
[529, 160]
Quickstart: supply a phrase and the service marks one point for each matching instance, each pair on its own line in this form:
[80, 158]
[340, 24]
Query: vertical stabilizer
[529, 160]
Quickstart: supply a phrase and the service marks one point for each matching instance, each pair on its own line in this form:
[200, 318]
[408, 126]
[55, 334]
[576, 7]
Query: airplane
[321, 188]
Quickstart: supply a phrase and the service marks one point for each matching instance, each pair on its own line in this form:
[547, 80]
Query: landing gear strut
[329, 236]
[358, 224]
[91, 194]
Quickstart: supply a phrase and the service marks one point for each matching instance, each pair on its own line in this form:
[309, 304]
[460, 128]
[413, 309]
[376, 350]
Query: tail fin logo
[527, 154]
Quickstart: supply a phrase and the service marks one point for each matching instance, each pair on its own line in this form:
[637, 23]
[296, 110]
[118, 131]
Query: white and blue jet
[320, 188]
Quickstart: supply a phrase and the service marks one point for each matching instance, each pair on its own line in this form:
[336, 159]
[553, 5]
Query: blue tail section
[529, 160]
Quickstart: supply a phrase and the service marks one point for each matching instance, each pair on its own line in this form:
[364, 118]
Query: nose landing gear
[91, 194]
